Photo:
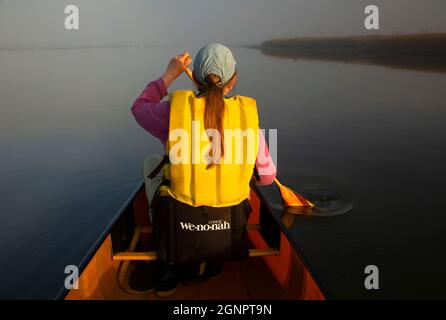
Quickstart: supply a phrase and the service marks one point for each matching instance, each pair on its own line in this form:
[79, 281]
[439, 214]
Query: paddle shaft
[190, 75]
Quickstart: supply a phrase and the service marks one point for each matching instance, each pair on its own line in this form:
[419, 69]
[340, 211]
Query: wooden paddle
[290, 198]
[189, 74]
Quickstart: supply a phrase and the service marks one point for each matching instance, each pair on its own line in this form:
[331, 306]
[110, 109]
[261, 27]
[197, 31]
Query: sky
[29, 23]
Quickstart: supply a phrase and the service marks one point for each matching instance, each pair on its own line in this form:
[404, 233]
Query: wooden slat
[263, 252]
[152, 255]
[133, 256]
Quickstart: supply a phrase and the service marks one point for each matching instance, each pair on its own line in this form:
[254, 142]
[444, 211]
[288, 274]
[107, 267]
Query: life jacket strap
[158, 168]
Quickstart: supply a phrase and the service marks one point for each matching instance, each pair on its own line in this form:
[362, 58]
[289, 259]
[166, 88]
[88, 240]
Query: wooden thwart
[136, 256]
[152, 255]
[131, 255]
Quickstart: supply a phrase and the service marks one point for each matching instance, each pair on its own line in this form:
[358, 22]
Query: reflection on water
[372, 136]
[328, 203]
[407, 62]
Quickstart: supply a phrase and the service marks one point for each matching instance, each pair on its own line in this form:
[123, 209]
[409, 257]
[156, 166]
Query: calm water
[71, 154]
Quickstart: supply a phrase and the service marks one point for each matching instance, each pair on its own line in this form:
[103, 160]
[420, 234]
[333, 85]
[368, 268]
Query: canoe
[273, 270]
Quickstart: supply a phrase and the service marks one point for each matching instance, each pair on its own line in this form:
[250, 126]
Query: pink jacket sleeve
[151, 113]
[264, 163]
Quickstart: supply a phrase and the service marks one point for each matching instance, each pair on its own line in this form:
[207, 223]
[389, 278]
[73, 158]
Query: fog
[234, 22]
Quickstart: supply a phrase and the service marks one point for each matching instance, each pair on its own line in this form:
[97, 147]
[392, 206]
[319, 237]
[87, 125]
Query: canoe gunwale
[90, 254]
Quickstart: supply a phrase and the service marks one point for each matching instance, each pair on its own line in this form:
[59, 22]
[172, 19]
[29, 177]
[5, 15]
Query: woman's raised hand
[176, 67]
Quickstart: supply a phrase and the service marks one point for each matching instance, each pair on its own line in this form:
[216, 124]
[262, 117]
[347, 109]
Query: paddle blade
[291, 198]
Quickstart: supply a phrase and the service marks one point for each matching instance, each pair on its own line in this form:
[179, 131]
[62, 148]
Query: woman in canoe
[214, 149]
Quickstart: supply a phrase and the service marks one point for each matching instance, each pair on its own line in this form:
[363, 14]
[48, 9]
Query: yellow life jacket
[225, 183]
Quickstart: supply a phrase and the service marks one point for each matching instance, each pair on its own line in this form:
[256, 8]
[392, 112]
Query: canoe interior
[282, 276]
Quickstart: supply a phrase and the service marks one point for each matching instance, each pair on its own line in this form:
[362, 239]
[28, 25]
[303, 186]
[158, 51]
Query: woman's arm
[148, 110]
[264, 163]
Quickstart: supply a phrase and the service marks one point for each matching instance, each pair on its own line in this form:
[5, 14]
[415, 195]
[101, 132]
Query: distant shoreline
[426, 51]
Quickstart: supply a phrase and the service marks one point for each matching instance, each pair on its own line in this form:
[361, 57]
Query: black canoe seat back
[133, 236]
